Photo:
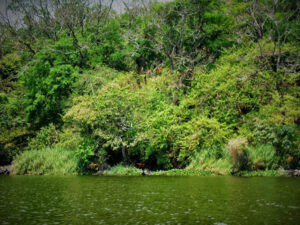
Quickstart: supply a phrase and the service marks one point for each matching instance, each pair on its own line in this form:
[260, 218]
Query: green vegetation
[261, 173]
[120, 170]
[48, 161]
[183, 172]
[186, 87]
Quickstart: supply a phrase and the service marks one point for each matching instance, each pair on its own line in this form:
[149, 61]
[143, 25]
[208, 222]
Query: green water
[149, 200]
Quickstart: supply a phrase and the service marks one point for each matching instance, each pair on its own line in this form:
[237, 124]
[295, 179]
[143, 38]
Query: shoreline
[6, 170]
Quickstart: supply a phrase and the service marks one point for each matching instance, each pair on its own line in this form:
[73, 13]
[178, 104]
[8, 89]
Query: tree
[187, 32]
[37, 23]
[275, 20]
[47, 87]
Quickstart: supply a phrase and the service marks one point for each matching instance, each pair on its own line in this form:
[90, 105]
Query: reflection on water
[149, 200]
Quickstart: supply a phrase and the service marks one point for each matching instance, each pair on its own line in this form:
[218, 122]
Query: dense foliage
[201, 85]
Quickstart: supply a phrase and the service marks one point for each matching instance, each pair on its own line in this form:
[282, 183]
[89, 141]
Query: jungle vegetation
[208, 85]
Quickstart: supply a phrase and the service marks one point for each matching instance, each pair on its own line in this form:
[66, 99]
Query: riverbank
[132, 171]
[120, 170]
[59, 161]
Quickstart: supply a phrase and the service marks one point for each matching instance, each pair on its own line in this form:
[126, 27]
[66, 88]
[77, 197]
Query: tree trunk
[124, 155]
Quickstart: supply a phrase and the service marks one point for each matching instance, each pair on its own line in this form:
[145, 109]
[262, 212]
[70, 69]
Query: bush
[85, 153]
[11, 110]
[9, 66]
[69, 138]
[283, 138]
[90, 81]
[46, 137]
[52, 161]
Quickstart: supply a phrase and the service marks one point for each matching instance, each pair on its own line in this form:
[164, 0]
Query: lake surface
[149, 200]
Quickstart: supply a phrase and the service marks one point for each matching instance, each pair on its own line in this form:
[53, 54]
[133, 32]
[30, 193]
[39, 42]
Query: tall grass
[51, 161]
[211, 160]
[263, 157]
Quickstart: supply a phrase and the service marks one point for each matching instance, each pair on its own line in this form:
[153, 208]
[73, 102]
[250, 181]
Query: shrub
[11, 110]
[9, 66]
[69, 138]
[85, 154]
[284, 140]
[200, 140]
[90, 81]
[46, 137]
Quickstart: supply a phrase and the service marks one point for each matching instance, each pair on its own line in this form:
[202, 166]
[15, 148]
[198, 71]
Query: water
[148, 200]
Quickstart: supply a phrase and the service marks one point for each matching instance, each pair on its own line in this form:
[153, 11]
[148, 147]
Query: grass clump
[121, 170]
[47, 161]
